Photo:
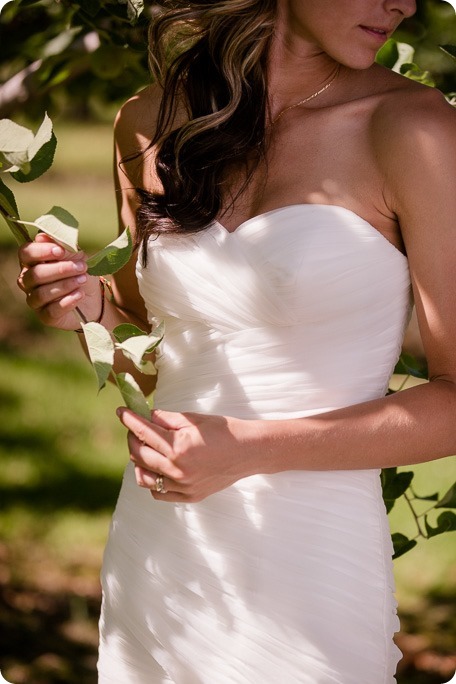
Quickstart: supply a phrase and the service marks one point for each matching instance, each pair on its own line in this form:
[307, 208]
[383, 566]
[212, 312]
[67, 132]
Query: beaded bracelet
[103, 283]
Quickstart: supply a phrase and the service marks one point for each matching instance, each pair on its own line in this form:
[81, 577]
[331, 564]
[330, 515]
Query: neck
[296, 68]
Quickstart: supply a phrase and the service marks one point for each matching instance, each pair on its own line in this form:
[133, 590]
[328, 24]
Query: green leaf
[135, 347]
[101, 350]
[8, 200]
[132, 395]
[8, 208]
[446, 522]
[40, 163]
[401, 544]
[388, 54]
[394, 485]
[449, 499]
[449, 49]
[112, 257]
[409, 365]
[125, 330]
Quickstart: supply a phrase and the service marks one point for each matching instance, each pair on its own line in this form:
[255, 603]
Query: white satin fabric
[281, 578]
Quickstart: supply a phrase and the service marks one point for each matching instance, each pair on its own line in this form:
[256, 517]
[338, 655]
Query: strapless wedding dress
[279, 578]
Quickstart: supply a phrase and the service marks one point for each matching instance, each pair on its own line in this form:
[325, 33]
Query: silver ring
[159, 486]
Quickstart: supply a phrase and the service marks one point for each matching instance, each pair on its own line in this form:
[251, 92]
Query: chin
[358, 62]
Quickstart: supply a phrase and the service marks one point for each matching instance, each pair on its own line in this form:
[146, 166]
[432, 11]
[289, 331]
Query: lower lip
[379, 37]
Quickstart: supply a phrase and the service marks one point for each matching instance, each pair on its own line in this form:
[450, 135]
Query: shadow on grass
[51, 639]
[428, 640]
[47, 638]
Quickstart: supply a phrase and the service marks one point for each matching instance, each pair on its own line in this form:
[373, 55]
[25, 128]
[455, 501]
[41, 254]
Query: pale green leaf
[61, 226]
[135, 347]
[101, 350]
[60, 42]
[132, 395]
[14, 143]
[405, 54]
[43, 135]
[134, 9]
[25, 155]
[112, 257]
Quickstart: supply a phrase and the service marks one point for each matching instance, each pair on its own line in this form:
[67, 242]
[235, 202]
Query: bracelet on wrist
[103, 282]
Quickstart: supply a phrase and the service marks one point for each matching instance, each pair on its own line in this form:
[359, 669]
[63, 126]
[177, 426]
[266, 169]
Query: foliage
[19, 149]
[82, 55]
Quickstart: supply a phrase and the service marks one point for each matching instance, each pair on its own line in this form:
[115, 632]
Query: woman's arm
[57, 282]
[414, 141]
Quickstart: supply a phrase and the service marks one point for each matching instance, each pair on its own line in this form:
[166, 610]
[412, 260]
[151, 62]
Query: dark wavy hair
[210, 60]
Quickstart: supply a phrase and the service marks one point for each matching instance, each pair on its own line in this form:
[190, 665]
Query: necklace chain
[306, 99]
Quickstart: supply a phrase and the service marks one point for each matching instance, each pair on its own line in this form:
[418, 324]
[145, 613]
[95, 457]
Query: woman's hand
[196, 455]
[56, 282]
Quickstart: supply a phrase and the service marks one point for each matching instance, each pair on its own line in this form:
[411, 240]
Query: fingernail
[81, 279]
[57, 251]
[119, 412]
[77, 295]
[79, 265]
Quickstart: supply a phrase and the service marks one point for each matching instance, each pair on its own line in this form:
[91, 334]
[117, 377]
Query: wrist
[261, 451]
[103, 286]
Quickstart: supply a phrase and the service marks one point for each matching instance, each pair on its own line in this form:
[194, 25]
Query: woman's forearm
[412, 426]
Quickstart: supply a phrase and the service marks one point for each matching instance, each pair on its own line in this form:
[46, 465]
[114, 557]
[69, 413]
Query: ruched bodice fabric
[278, 578]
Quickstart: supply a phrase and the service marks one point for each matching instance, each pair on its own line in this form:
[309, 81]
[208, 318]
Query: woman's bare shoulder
[407, 110]
[135, 123]
[411, 125]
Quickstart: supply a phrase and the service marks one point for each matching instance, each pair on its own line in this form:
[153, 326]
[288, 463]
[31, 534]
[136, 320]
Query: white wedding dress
[279, 578]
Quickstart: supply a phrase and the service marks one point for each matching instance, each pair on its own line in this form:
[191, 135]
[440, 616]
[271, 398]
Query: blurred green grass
[61, 447]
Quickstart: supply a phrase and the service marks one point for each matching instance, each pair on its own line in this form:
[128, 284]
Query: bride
[289, 198]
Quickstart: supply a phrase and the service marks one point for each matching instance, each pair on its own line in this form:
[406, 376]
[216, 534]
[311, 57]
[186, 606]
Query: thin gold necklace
[307, 99]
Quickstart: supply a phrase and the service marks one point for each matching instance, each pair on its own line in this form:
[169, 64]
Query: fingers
[154, 462]
[39, 251]
[154, 436]
[53, 279]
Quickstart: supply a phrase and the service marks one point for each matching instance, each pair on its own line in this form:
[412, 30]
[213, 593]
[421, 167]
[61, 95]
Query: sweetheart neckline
[305, 205]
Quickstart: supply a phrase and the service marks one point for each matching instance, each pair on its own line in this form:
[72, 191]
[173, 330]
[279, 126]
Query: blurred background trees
[83, 58]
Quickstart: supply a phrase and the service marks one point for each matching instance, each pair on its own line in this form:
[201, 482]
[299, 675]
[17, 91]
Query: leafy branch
[399, 484]
[25, 156]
